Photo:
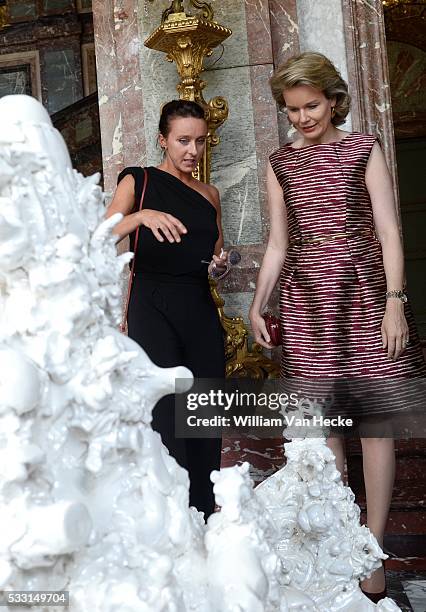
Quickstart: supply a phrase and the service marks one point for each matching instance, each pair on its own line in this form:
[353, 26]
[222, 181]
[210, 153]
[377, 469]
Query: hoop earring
[333, 112]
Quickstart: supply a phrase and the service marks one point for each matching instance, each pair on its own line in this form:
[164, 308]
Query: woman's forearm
[128, 225]
[268, 276]
[393, 261]
[218, 246]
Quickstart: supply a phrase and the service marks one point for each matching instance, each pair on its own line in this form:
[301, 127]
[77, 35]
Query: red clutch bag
[273, 327]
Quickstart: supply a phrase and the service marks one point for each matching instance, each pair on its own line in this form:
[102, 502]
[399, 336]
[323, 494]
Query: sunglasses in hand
[218, 271]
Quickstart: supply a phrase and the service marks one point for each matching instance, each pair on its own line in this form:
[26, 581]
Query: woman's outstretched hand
[259, 330]
[162, 224]
[395, 333]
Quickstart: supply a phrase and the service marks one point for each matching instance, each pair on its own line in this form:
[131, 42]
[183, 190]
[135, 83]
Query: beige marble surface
[234, 163]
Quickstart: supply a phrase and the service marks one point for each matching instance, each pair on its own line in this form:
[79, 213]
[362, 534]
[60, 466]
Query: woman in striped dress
[335, 245]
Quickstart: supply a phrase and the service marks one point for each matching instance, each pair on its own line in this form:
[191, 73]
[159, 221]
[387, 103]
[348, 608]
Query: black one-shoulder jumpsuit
[172, 314]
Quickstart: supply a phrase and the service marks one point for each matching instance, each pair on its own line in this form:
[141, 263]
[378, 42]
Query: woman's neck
[167, 166]
[332, 134]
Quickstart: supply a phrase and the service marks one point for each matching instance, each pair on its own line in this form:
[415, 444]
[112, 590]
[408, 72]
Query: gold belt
[329, 237]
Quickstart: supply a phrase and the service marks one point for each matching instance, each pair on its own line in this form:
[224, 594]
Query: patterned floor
[407, 589]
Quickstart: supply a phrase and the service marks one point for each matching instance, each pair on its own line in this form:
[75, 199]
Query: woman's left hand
[395, 333]
[219, 263]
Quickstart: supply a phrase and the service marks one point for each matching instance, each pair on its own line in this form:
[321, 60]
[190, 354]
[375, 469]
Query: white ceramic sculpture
[245, 570]
[90, 500]
[323, 548]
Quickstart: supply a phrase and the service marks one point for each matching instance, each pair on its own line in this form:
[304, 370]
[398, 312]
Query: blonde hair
[317, 71]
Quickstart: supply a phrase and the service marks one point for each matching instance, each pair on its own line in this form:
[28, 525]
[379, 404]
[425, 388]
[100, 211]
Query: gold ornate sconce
[187, 39]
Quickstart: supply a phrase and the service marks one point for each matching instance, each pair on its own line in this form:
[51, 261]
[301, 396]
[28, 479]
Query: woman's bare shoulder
[128, 180]
[208, 191]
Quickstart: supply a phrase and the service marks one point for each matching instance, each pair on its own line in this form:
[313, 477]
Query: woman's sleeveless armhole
[138, 173]
[273, 162]
[371, 140]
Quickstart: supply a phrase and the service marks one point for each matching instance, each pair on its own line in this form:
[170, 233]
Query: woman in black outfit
[171, 311]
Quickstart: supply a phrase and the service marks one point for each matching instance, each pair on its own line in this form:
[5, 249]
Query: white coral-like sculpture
[243, 536]
[324, 550]
[92, 501]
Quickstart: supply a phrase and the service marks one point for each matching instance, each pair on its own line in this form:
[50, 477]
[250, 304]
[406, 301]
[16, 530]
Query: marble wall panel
[258, 32]
[285, 43]
[237, 304]
[321, 29]
[127, 44]
[117, 43]
[234, 165]
[62, 78]
[284, 29]
[22, 10]
[106, 56]
[265, 133]
[242, 278]
[265, 456]
[158, 81]
[40, 33]
[231, 14]
[264, 109]
[50, 42]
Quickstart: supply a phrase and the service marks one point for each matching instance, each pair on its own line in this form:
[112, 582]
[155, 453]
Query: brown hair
[178, 108]
[317, 71]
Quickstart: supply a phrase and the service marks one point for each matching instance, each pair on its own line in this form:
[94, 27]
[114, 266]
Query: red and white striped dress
[332, 293]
